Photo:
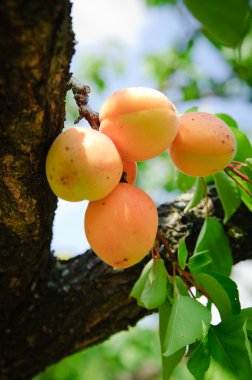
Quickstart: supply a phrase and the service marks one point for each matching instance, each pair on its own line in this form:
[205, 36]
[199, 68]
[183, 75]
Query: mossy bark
[50, 309]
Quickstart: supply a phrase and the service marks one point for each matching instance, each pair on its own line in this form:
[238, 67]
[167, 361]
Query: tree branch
[80, 302]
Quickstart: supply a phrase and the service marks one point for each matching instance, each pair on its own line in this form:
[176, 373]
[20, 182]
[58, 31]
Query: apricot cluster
[136, 124]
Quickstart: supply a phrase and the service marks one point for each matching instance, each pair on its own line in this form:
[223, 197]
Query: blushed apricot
[130, 170]
[203, 146]
[83, 164]
[142, 122]
[121, 228]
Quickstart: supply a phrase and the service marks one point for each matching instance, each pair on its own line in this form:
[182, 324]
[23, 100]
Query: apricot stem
[166, 245]
[206, 194]
[155, 251]
[235, 170]
[186, 277]
[81, 95]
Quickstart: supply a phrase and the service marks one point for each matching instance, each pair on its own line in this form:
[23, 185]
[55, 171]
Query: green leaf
[140, 283]
[184, 182]
[244, 149]
[249, 163]
[182, 253]
[150, 289]
[152, 3]
[223, 292]
[189, 320]
[170, 362]
[180, 286]
[212, 237]
[222, 354]
[229, 194]
[198, 194]
[192, 109]
[225, 21]
[198, 261]
[228, 119]
[246, 169]
[164, 316]
[247, 313]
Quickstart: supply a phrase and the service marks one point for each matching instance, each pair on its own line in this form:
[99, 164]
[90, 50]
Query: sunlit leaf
[212, 237]
[180, 286]
[159, 2]
[184, 182]
[170, 362]
[182, 253]
[223, 292]
[225, 21]
[198, 261]
[223, 353]
[229, 194]
[150, 289]
[192, 109]
[198, 194]
[244, 148]
[247, 313]
[228, 119]
[188, 322]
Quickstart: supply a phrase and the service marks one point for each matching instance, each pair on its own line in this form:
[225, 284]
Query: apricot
[142, 122]
[83, 163]
[121, 228]
[130, 170]
[203, 146]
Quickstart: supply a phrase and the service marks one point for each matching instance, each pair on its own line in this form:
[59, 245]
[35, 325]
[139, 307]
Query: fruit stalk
[81, 95]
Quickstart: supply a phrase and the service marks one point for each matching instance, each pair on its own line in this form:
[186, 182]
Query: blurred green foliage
[160, 2]
[126, 353]
[96, 66]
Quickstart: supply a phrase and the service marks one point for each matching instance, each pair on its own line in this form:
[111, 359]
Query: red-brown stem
[166, 245]
[185, 276]
[238, 173]
[238, 183]
[188, 286]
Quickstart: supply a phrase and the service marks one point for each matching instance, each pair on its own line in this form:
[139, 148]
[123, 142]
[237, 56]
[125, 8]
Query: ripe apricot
[141, 121]
[121, 227]
[203, 146]
[83, 164]
[130, 170]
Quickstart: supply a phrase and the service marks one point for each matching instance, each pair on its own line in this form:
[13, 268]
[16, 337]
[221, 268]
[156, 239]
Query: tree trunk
[48, 308]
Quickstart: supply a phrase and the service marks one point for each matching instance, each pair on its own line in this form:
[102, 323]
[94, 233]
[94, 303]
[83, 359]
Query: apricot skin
[142, 122]
[121, 228]
[203, 146]
[83, 164]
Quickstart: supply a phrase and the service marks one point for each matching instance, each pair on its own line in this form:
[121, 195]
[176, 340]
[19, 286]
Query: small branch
[81, 95]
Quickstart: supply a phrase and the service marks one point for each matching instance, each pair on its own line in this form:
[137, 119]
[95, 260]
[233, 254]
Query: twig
[81, 96]
[238, 183]
[161, 238]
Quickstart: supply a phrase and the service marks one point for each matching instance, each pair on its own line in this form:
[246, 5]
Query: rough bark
[50, 309]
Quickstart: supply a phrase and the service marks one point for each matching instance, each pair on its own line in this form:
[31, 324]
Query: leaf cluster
[185, 329]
